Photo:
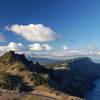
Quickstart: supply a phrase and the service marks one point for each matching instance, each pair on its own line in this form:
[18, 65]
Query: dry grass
[36, 98]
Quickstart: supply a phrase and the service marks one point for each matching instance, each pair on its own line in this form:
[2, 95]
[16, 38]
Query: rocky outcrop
[11, 57]
[20, 62]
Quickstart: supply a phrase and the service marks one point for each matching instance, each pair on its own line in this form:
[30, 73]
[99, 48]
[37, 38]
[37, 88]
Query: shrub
[8, 81]
[37, 79]
[20, 66]
[57, 94]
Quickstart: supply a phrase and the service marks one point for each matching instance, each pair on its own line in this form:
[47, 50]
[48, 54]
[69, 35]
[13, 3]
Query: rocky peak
[11, 57]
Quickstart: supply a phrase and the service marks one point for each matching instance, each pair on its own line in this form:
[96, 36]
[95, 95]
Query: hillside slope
[66, 79]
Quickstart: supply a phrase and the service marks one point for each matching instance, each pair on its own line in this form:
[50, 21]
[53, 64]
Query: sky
[57, 29]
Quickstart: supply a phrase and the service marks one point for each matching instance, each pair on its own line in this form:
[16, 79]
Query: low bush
[37, 79]
[10, 82]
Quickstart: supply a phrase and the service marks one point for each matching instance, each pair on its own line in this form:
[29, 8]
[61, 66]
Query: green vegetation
[20, 66]
[37, 79]
[7, 58]
[10, 82]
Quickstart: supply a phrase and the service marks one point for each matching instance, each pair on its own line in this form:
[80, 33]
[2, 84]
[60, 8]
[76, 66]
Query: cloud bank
[41, 50]
[38, 47]
[35, 32]
[18, 47]
[12, 46]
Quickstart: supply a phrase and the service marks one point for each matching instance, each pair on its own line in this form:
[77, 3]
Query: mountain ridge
[75, 75]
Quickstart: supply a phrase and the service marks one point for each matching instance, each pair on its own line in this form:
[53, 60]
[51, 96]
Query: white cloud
[35, 46]
[2, 38]
[65, 54]
[35, 32]
[38, 47]
[12, 46]
[64, 47]
[47, 47]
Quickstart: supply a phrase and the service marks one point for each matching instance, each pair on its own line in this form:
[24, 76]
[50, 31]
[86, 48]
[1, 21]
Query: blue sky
[76, 21]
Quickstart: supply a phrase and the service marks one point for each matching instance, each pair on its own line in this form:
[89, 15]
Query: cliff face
[84, 67]
[79, 77]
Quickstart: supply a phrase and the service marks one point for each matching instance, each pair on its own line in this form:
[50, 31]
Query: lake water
[94, 94]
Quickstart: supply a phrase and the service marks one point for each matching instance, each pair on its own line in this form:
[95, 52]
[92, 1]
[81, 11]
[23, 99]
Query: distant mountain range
[43, 61]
